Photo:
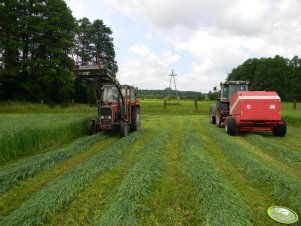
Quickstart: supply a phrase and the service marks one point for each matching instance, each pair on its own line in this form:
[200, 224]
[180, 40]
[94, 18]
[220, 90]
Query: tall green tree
[103, 46]
[37, 36]
[272, 74]
[9, 46]
[94, 44]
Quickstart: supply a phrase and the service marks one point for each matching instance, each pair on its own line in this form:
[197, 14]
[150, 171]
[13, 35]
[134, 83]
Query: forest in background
[272, 74]
[37, 41]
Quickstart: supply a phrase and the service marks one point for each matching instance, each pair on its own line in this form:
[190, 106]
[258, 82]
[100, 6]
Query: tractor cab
[220, 110]
[230, 87]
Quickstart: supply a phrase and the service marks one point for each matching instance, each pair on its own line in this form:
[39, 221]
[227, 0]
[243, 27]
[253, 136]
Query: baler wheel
[280, 130]
[231, 127]
[124, 129]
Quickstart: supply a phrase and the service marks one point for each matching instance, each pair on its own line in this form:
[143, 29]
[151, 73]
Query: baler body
[256, 110]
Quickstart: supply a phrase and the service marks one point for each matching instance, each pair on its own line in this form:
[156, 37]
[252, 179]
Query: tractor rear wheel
[92, 128]
[280, 130]
[231, 127]
[124, 129]
[135, 125]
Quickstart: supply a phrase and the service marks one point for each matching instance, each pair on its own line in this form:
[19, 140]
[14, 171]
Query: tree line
[161, 94]
[272, 74]
[37, 40]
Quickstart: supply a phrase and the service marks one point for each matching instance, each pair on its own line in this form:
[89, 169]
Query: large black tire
[218, 120]
[280, 130]
[212, 113]
[231, 127]
[135, 125]
[124, 129]
[92, 128]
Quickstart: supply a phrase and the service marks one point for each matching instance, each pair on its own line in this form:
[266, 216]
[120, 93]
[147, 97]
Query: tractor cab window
[128, 93]
[110, 94]
[132, 94]
[225, 92]
[235, 88]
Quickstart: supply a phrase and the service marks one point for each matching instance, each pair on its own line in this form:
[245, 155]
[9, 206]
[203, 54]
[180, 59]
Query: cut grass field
[178, 170]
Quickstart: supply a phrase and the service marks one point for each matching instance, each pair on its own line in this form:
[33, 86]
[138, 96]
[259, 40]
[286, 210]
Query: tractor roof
[235, 83]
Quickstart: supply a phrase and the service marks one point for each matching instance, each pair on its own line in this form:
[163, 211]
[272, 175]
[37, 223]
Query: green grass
[291, 116]
[287, 189]
[282, 153]
[22, 135]
[65, 188]
[124, 201]
[221, 204]
[190, 173]
[25, 189]
[184, 107]
[80, 211]
[30, 167]
[173, 199]
[18, 107]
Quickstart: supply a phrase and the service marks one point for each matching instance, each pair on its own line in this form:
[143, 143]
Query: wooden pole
[196, 103]
[165, 103]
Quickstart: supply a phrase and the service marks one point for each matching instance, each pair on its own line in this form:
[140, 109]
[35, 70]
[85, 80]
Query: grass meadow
[177, 170]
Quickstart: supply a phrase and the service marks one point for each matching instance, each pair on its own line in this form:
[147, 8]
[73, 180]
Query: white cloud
[146, 70]
[171, 58]
[206, 38]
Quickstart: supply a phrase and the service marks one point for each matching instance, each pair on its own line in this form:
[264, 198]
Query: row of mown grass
[30, 167]
[124, 201]
[94, 198]
[283, 153]
[173, 200]
[22, 135]
[286, 188]
[24, 189]
[221, 203]
[66, 187]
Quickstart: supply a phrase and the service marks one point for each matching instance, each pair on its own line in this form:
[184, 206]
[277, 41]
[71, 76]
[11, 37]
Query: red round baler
[255, 111]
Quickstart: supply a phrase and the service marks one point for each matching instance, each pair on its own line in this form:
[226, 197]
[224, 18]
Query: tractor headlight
[102, 117]
[109, 117]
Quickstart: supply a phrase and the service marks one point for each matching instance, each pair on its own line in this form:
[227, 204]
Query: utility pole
[172, 78]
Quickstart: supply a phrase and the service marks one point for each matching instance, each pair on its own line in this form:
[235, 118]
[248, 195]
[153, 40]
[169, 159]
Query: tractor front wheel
[218, 120]
[124, 129]
[135, 125]
[212, 113]
[92, 128]
[231, 127]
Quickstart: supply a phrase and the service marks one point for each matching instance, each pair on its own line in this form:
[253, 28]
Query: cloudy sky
[201, 40]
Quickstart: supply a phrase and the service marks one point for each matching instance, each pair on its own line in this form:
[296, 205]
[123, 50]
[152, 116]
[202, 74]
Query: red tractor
[117, 106]
[241, 110]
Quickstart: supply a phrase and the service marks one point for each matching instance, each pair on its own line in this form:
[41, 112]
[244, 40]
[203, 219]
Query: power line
[172, 78]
